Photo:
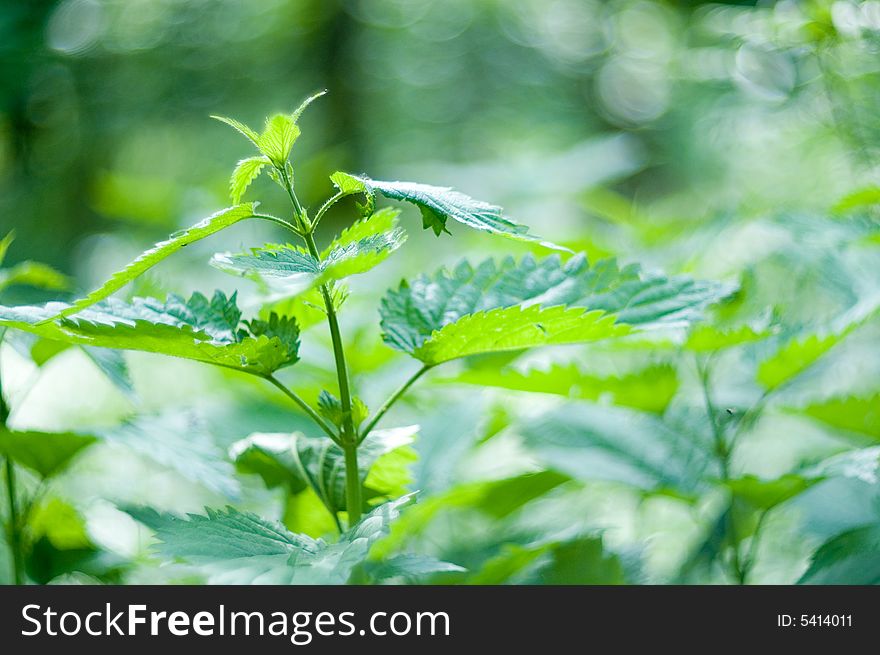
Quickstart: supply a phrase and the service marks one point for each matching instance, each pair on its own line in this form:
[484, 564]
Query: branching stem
[320, 422]
[393, 398]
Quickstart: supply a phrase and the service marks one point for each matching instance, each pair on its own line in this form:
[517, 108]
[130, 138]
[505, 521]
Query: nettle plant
[473, 309]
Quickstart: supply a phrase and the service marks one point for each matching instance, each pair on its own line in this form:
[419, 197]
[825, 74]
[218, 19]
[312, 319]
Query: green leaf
[859, 415]
[800, 353]
[861, 198]
[278, 137]
[348, 184]
[242, 548]
[298, 461]
[411, 568]
[59, 523]
[330, 407]
[5, 242]
[305, 104]
[45, 453]
[291, 269]
[706, 338]
[180, 442]
[221, 535]
[246, 171]
[794, 358]
[113, 365]
[250, 134]
[516, 328]
[851, 558]
[649, 389]
[582, 561]
[33, 274]
[438, 204]
[593, 442]
[494, 498]
[860, 464]
[766, 494]
[199, 329]
[417, 313]
[160, 251]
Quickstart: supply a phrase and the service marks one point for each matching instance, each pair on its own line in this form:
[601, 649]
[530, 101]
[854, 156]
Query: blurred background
[734, 141]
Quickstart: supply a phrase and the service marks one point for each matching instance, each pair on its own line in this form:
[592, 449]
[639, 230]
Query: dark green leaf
[45, 453]
[593, 442]
[851, 558]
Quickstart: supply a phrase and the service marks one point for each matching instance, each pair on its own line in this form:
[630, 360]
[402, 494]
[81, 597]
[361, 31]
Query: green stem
[349, 438]
[14, 527]
[352, 484]
[14, 531]
[278, 221]
[327, 205]
[753, 546]
[320, 422]
[722, 451]
[393, 399]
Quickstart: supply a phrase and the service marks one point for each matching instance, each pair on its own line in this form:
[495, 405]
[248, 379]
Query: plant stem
[393, 399]
[14, 533]
[349, 436]
[321, 423]
[327, 205]
[348, 439]
[722, 451]
[14, 527]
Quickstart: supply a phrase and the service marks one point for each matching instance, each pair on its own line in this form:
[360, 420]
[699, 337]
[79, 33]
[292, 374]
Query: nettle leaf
[279, 133]
[241, 128]
[199, 329]
[800, 353]
[246, 171]
[291, 269]
[406, 567]
[233, 547]
[493, 498]
[438, 204]
[706, 338]
[650, 389]
[33, 274]
[277, 139]
[211, 225]
[45, 453]
[594, 442]
[298, 461]
[859, 415]
[860, 464]
[5, 242]
[330, 407]
[516, 328]
[420, 316]
[851, 558]
[766, 494]
[181, 442]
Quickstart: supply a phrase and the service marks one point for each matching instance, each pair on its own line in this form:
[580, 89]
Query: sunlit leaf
[246, 171]
[649, 389]
[292, 269]
[433, 318]
[200, 329]
[160, 251]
